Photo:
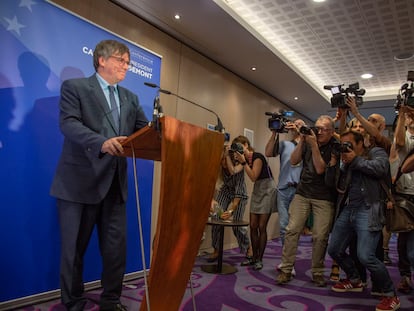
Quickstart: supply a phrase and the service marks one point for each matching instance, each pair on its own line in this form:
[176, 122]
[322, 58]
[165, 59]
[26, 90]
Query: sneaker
[279, 268]
[347, 286]
[387, 261]
[334, 276]
[258, 265]
[388, 304]
[319, 280]
[283, 278]
[405, 285]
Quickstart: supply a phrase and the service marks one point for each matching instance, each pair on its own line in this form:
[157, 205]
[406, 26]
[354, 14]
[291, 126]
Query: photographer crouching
[372, 129]
[360, 213]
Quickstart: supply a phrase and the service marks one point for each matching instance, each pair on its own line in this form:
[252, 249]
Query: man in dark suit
[90, 183]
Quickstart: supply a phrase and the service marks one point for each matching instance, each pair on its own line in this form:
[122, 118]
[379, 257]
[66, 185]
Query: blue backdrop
[42, 45]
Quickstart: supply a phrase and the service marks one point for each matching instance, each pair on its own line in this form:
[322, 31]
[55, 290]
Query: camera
[344, 147]
[277, 121]
[236, 147]
[406, 93]
[339, 94]
[306, 130]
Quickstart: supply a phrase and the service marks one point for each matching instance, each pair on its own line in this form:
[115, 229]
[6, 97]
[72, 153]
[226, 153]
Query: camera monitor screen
[335, 90]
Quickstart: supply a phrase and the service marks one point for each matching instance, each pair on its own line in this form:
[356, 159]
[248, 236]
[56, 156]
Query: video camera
[277, 121]
[406, 93]
[339, 94]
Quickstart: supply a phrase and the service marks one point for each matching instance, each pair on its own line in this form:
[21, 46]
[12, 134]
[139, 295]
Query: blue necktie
[114, 107]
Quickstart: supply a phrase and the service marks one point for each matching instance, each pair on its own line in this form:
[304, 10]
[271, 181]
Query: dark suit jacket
[84, 174]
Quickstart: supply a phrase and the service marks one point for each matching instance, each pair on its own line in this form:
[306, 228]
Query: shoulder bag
[400, 209]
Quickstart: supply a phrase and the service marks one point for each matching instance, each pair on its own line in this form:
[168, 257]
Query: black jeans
[403, 261]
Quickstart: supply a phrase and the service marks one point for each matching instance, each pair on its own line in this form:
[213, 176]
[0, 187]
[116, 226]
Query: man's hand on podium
[113, 146]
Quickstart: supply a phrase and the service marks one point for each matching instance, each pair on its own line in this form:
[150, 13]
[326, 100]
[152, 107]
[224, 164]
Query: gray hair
[106, 48]
[326, 117]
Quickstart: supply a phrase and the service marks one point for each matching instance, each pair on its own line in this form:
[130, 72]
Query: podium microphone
[153, 85]
[156, 112]
[219, 127]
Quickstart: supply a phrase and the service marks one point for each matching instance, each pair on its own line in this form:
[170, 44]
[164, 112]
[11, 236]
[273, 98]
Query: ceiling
[298, 46]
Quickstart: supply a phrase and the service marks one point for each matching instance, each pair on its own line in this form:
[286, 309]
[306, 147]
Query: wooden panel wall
[191, 75]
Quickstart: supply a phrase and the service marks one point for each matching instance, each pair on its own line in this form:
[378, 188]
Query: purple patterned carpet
[249, 290]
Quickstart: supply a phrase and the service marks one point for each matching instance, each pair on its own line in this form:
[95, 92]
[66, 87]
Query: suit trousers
[77, 222]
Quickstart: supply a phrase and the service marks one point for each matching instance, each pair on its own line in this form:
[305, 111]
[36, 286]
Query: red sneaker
[347, 286]
[388, 304]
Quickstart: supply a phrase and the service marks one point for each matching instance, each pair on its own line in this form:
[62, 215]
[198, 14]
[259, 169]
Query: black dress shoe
[77, 306]
[248, 262]
[117, 307]
[120, 307]
[212, 258]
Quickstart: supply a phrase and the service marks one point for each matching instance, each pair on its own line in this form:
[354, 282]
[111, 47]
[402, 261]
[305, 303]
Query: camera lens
[237, 147]
[305, 130]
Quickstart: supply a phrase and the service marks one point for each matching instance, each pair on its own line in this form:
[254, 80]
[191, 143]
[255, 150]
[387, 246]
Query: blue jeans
[284, 197]
[354, 221]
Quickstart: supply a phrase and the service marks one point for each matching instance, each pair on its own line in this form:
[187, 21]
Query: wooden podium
[190, 157]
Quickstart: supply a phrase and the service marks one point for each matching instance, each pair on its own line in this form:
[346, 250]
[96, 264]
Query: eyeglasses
[120, 60]
[322, 129]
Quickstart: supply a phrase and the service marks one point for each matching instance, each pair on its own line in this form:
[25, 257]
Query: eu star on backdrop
[42, 46]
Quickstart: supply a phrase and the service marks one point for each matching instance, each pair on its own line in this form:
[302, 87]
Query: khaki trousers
[299, 210]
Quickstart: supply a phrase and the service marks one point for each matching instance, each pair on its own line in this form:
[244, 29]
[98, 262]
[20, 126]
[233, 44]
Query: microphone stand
[158, 110]
[157, 113]
[219, 127]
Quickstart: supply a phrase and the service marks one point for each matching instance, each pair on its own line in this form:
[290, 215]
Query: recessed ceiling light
[254, 68]
[177, 16]
[366, 76]
[404, 56]
[319, 1]
[296, 98]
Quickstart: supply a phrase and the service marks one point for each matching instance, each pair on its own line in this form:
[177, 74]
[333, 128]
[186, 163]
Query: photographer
[231, 198]
[289, 175]
[374, 125]
[313, 194]
[404, 143]
[360, 213]
[372, 131]
[408, 166]
[258, 170]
